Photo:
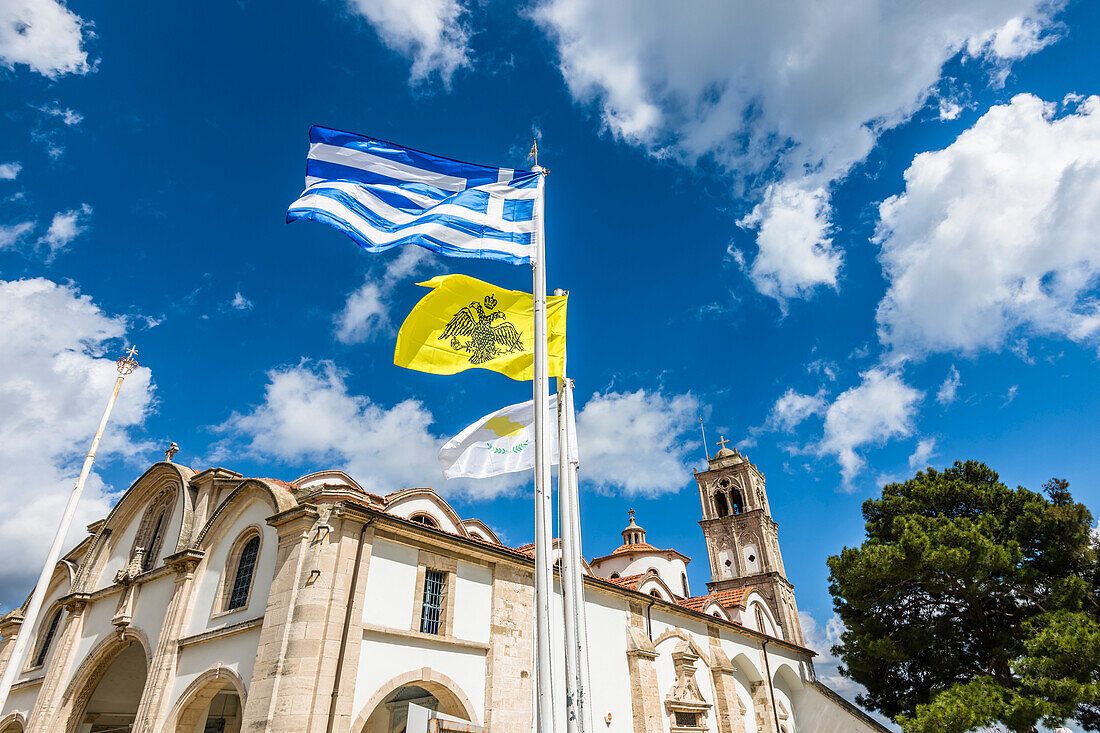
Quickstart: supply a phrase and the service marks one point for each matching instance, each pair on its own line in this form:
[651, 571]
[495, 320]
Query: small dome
[725, 453]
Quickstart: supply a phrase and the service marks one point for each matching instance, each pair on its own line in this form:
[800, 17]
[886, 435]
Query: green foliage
[971, 603]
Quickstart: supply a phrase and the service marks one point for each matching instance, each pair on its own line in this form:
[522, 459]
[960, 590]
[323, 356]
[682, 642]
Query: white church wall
[150, 606]
[610, 676]
[473, 602]
[671, 571]
[424, 505]
[383, 657]
[97, 626]
[814, 711]
[391, 583]
[21, 701]
[237, 652]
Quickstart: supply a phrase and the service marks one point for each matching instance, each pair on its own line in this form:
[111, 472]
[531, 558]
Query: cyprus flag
[502, 442]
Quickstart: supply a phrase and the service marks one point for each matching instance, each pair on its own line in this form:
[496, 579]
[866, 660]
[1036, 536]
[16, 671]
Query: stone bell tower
[742, 538]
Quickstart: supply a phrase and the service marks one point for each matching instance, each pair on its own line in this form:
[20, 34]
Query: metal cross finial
[127, 364]
[534, 150]
[132, 352]
[723, 442]
[631, 513]
[173, 449]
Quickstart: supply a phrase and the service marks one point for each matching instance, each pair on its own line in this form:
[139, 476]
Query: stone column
[762, 707]
[641, 662]
[42, 717]
[728, 708]
[509, 673]
[156, 698]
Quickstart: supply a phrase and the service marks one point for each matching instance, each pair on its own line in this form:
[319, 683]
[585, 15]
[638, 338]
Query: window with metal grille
[243, 580]
[44, 649]
[431, 613]
[685, 719]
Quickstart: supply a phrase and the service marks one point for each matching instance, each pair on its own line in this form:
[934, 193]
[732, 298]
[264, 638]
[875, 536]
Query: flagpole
[544, 697]
[125, 365]
[569, 561]
[572, 501]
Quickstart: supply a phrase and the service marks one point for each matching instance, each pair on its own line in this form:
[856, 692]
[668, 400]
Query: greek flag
[383, 195]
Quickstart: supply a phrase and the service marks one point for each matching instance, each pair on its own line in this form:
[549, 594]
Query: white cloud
[792, 408]
[949, 389]
[68, 117]
[240, 302]
[366, 312]
[996, 235]
[43, 35]
[65, 227]
[926, 447]
[431, 33]
[56, 371]
[797, 91]
[12, 235]
[795, 253]
[8, 171]
[881, 407]
[1010, 395]
[636, 441]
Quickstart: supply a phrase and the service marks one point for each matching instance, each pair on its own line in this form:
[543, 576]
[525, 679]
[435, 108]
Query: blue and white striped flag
[383, 195]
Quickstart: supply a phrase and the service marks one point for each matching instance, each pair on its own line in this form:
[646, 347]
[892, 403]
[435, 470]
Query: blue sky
[856, 239]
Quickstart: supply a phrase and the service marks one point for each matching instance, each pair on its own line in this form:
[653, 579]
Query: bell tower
[742, 538]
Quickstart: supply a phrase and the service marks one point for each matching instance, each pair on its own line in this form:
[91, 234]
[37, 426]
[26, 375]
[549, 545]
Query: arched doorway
[212, 703]
[113, 703]
[388, 709]
[13, 723]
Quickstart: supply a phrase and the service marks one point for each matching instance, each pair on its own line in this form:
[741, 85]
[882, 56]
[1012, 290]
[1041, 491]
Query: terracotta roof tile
[725, 598]
[627, 581]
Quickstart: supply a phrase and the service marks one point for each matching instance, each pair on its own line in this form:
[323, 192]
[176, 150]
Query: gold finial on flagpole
[534, 150]
[127, 364]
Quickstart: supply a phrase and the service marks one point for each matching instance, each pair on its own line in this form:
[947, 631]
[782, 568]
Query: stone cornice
[185, 561]
[231, 630]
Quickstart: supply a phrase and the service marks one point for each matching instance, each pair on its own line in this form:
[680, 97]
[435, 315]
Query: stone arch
[437, 683]
[748, 667]
[13, 723]
[279, 498]
[90, 673]
[787, 675]
[721, 508]
[396, 500]
[688, 639]
[194, 701]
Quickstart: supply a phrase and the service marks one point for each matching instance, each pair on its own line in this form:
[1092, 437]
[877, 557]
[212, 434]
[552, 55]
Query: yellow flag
[465, 323]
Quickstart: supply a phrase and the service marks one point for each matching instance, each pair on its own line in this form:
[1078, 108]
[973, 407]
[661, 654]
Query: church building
[210, 602]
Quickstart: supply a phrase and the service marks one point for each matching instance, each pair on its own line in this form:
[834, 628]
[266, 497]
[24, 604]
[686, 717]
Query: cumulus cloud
[8, 171]
[796, 92]
[366, 313]
[12, 235]
[949, 389]
[636, 442]
[240, 303]
[43, 35]
[795, 253]
[792, 408]
[431, 33]
[64, 228]
[57, 351]
[995, 236]
[924, 450]
[878, 409]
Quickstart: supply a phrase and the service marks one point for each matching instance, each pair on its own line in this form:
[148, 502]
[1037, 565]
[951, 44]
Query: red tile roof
[725, 598]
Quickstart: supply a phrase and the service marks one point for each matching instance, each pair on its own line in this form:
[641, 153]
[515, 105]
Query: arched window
[652, 570]
[738, 502]
[47, 639]
[426, 519]
[720, 507]
[614, 575]
[240, 570]
[154, 524]
[655, 593]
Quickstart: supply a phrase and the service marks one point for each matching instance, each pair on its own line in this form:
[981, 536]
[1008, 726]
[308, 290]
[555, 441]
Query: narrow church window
[47, 639]
[151, 530]
[684, 581]
[152, 549]
[242, 582]
[738, 502]
[431, 612]
[720, 507]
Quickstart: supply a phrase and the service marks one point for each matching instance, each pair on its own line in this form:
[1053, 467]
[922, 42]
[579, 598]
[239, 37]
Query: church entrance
[112, 705]
[391, 715]
[212, 704]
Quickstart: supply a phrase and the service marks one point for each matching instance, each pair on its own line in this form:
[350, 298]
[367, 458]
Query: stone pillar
[509, 676]
[44, 713]
[156, 698]
[9, 629]
[762, 707]
[641, 662]
[728, 708]
[276, 700]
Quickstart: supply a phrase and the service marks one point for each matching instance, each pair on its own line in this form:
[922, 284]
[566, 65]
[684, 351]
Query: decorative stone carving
[686, 708]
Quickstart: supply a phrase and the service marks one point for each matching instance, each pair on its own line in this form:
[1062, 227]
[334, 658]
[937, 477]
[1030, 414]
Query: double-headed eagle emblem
[471, 330]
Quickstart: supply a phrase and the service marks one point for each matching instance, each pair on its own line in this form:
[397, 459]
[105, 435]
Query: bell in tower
[742, 538]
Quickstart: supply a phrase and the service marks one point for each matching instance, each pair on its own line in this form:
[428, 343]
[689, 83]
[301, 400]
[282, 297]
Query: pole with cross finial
[125, 366]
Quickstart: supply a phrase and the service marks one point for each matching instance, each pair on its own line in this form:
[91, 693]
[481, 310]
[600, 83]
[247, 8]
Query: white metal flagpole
[570, 497]
[126, 365]
[569, 563]
[544, 588]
